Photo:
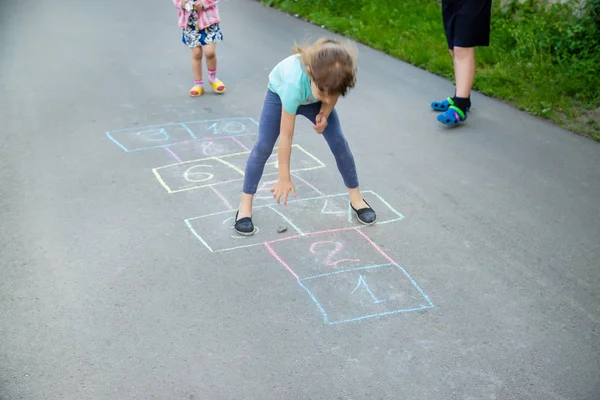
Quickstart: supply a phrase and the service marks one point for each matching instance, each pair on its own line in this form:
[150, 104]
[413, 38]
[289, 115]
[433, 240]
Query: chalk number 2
[333, 254]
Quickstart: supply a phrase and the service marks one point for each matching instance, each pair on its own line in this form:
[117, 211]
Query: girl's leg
[197, 71]
[210, 52]
[268, 132]
[343, 157]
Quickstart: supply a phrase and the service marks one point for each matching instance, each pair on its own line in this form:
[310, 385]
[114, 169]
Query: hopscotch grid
[183, 124]
[139, 128]
[276, 240]
[357, 228]
[179, 160]
[321, 164]
[391, 263]
[291, 202]
[404, 310]
[234, 180]
[185, 141]
[220, 159]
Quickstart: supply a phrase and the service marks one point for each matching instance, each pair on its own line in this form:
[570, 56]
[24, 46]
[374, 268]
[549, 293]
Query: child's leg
[449, 19]
[457, 107]
[210, 36]
[464, 70]
[211, 65]
[343, 156]
[197, 71]
[268, 132]
[469, 28]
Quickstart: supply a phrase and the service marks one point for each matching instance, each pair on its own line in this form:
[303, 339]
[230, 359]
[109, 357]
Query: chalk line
[307, 183]
[189, 130]
[160, 180]
[287, 220]
[198, 236]
[274, 254]
[348, 270]
[240, 143]
[227, 204]
[116, 142]
[375, 246]
[230, 165]
[175, 156]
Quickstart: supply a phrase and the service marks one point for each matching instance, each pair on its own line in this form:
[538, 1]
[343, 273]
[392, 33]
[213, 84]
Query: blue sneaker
[452, 117]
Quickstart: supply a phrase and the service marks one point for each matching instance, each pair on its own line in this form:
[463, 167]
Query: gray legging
[268, 132]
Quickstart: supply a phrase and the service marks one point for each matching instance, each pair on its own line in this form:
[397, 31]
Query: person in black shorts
[467, 25]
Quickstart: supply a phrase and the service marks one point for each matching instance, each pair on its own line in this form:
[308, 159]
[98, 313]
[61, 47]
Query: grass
[542, 60]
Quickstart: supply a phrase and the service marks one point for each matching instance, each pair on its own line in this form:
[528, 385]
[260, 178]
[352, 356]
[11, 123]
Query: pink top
[209, 15]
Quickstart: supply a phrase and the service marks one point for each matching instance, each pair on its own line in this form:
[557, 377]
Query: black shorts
[467, 22]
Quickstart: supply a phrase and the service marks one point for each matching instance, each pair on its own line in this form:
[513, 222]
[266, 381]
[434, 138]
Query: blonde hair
[331, 65]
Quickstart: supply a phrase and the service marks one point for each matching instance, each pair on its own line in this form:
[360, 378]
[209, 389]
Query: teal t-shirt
[289, 80]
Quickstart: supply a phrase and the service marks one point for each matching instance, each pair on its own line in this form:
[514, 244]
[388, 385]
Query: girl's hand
[321, 123]
[198, 5]
[281, 189]
[183, 3]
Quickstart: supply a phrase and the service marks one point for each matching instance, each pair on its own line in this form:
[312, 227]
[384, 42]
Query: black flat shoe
[244, 226]
[366, 216]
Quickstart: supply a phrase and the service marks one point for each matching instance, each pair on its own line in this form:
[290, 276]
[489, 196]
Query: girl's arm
[209, 3]
[284, 153]
[327, 108]
[177, 3]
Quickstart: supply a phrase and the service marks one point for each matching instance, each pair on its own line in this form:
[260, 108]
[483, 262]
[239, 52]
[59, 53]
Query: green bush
[543, 58]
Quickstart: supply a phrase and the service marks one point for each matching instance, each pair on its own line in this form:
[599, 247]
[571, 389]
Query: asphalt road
[484, 282]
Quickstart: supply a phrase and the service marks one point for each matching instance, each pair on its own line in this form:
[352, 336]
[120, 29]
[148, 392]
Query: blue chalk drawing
[326, 319]
[223, 126]
[159, 136]
[361, 281]
[187, 128]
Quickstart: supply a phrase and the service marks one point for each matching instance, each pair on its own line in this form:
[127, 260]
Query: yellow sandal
[196, 91]
[218, 86]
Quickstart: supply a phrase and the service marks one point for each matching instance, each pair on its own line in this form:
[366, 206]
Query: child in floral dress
[199, 21]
